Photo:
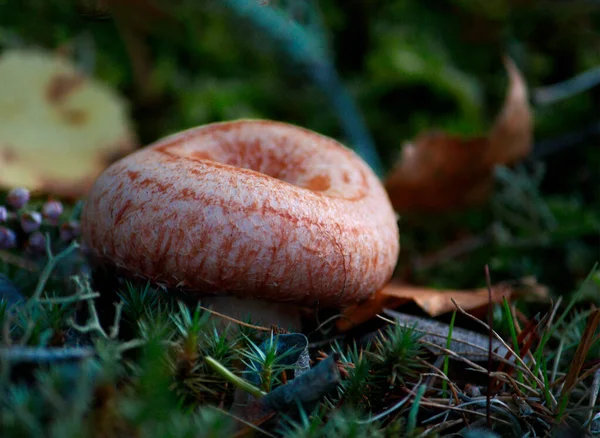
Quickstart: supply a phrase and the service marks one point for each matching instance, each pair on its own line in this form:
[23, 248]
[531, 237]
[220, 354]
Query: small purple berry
[3, 214]
[37, 242]
[8, 238]
[472, 391]
[52, 210]
[31, 221]
[69, 230]
[18, 197]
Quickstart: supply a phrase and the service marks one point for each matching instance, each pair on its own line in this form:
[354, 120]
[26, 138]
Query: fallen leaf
[467, 344]
[511, 137]
[436, 302]
[439, 172]
[587, 340]
[58, 128]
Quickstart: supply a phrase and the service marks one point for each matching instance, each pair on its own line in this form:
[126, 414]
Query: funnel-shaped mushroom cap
[257, 209]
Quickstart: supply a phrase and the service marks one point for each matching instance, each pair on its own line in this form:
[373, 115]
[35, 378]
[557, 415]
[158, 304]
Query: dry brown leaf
[436, 302]
[583, 349]
[58, 128]
[439, 172]
[511, 137]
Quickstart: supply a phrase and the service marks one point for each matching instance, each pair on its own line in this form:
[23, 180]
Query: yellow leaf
[58, 128]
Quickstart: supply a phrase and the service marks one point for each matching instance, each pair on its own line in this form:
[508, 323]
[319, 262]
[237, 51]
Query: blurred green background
[361, 71]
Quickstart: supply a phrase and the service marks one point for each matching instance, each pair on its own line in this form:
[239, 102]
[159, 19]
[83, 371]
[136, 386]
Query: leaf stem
[233, 379]
[447, 358]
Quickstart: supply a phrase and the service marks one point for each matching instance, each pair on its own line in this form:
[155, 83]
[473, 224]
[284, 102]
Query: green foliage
[397, 352]
[138, 303]
[357, 387]
[336, 425]
[266, 362]
[149, 383]
[161, 383]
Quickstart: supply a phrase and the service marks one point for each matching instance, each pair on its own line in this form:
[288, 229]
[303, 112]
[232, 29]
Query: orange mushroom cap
[252, 208]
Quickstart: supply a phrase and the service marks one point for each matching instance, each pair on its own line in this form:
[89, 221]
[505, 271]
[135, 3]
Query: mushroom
[59, 129]
[250, 216]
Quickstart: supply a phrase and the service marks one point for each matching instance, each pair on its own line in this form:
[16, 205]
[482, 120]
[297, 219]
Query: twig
[489, 364]
[565, 89]
[328, 320]
[559, 351]
[244, 422]
[442, 376]
[594, 390]
[43, 354]
[114, 331]
[53, 260]
[70, 299]
[503, 398]
[18, 261]
[514, 383]
[499, 338]
[453, 387]
[440, 427]
[236, 321]
[456, 355]
[459, 409]
[580, 355]
[134, 343]
[480, 369]
[93, 323]
[552, 328]
[395, 407]
[31, 325]
[583, 394]
[553, 312]
[588, 373]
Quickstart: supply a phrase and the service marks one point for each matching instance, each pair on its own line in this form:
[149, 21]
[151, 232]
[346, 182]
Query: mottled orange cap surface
[253, 208]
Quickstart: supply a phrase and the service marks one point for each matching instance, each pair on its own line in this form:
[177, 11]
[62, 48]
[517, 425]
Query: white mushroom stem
[261, 312]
